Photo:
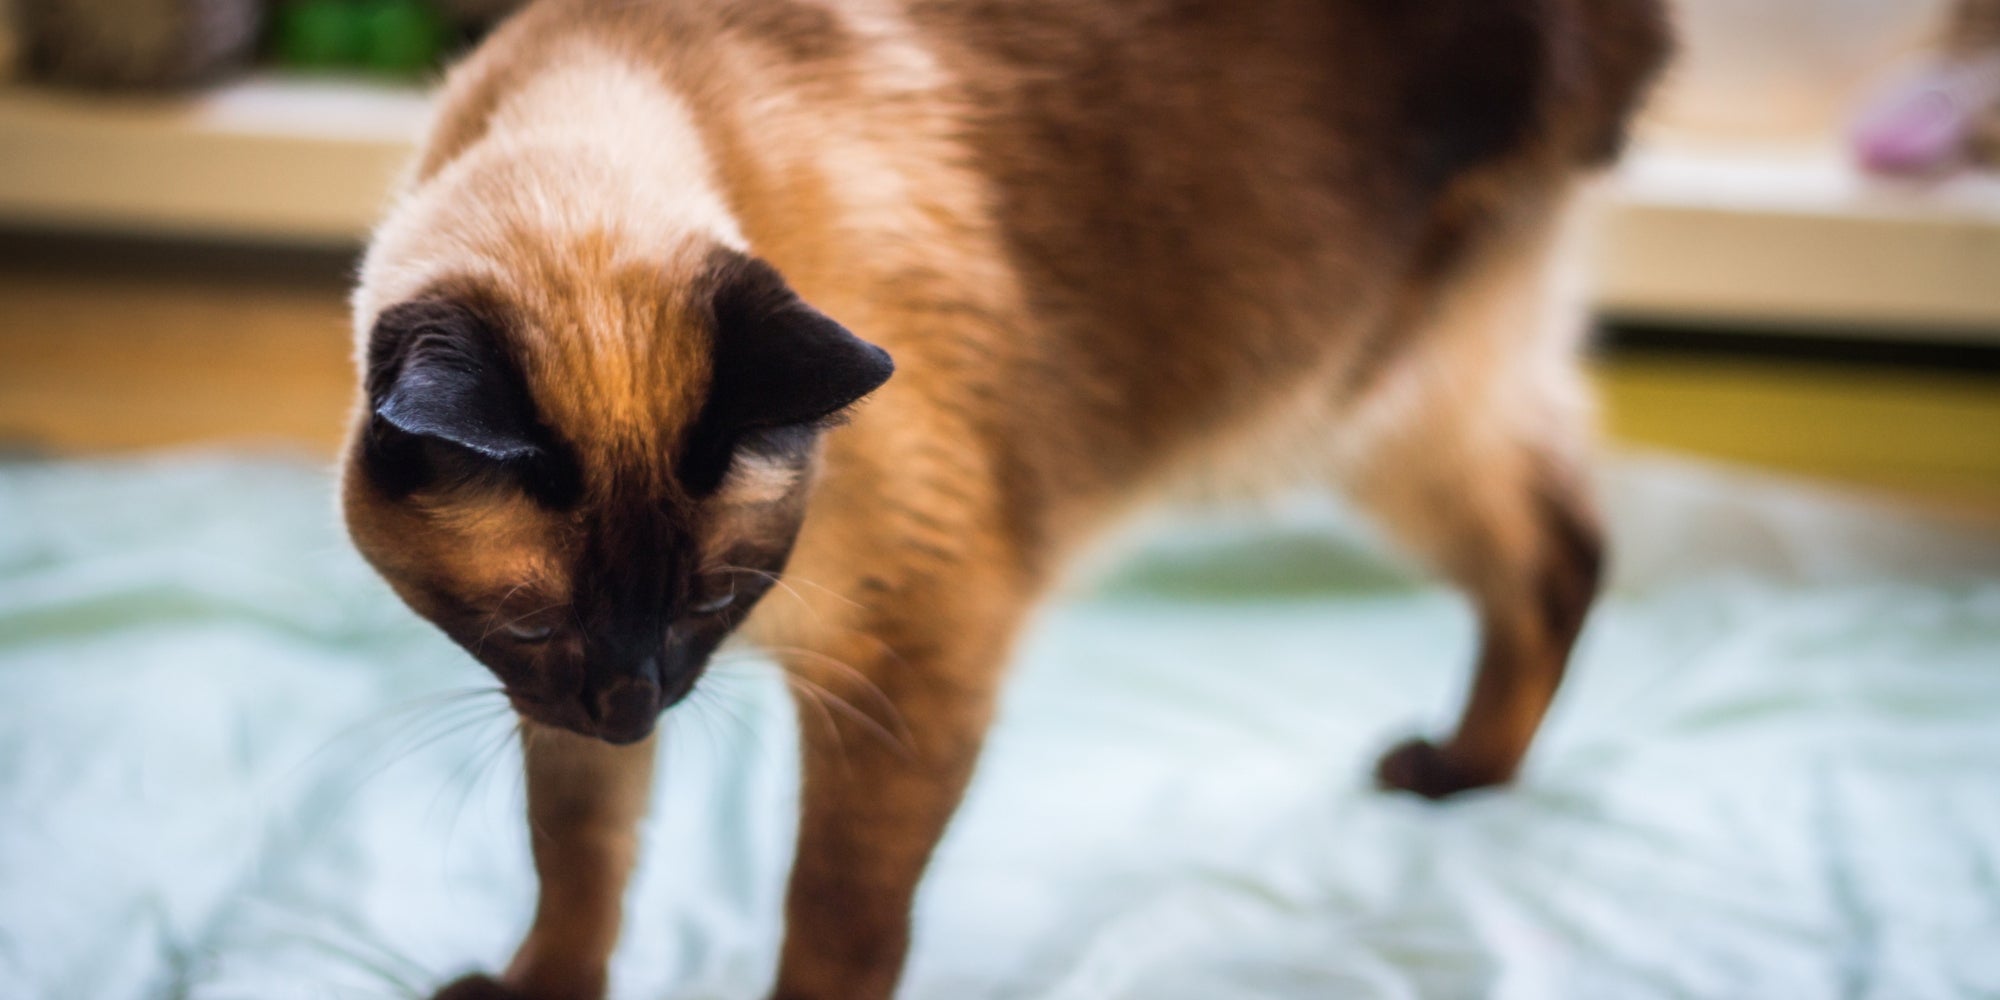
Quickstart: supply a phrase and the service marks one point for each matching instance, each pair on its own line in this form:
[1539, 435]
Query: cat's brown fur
[1109, 246]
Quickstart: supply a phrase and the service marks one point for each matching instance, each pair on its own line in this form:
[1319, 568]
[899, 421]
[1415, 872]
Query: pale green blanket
[1775, 773]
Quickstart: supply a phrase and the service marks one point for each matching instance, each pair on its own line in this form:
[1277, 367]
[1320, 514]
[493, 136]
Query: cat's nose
[626, 707]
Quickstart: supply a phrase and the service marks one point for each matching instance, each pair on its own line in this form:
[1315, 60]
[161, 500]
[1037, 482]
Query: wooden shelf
[265, 159]
[1796, 236]
[1693, 233]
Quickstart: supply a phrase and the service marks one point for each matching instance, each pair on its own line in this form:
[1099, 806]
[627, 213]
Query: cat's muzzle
[619, 708]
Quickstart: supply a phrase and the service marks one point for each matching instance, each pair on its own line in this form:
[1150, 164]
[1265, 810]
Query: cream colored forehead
[511, 225]
[591, 150]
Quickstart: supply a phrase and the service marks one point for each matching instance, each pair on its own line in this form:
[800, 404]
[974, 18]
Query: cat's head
[587, 476]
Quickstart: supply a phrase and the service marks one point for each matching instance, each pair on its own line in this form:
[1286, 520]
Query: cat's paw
[476, 987]
[1423, 767]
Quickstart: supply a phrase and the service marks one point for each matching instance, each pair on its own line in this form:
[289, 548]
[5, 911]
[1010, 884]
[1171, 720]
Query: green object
[392, 37]
[400, 37]
[318, 34]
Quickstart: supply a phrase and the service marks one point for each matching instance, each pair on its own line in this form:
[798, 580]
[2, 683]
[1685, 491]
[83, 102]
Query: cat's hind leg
[1531, 579]
[1469, 452]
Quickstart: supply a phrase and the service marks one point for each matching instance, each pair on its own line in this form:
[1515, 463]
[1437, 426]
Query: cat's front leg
[585, 800]
[891, 720]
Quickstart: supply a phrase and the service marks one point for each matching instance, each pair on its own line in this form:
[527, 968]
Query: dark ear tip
[882, 366]
[389, 410]
[872, 368]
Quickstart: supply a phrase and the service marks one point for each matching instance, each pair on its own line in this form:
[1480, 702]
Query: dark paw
[476, 987]
[1420, 766]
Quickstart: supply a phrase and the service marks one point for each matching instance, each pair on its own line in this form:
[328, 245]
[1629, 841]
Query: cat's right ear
[447, 405]
[436, 371]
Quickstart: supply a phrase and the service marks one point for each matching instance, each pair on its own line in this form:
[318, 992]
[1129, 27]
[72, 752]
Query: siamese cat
[909, 299]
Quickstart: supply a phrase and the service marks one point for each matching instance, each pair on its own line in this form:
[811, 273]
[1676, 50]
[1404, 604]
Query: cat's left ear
[779, 361]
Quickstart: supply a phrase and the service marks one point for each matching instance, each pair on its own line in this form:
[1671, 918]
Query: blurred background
[184, 185]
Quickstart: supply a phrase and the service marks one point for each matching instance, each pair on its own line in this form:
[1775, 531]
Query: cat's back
[1384, 99]
[1135, 139]
[1208, 198]
[1165, 120]
[1176, 202]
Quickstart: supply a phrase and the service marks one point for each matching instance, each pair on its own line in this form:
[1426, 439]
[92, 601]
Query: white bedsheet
[227, 771]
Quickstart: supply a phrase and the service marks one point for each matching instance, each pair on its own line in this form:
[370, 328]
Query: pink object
[1923, 123]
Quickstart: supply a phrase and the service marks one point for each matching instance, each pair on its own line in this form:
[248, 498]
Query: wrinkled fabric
[232, 766]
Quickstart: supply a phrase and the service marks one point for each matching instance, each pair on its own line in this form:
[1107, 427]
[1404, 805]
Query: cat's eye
[530, 633]
[713, 604]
